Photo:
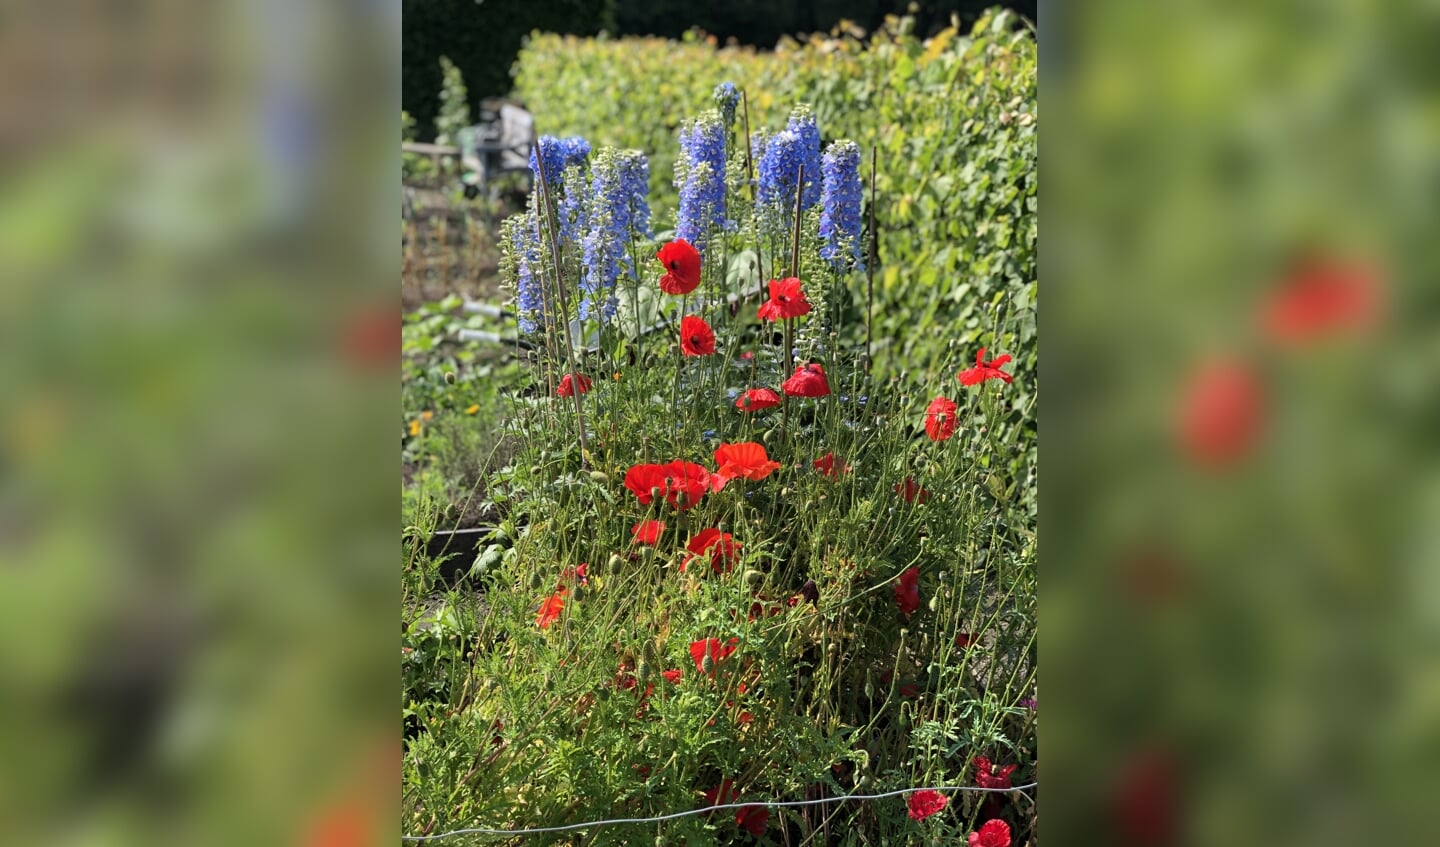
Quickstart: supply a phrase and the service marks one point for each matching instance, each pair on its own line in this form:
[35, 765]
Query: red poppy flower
[551, 609]
[756, 399]
[940, 419]
[807, 381]
[1321, 298]
[753, 818]
[987, 776]
[925, 803]
[713, 648]
[682, 484]
[672, 677]
[747, 355]
[995, 833]
[907, 591]
[569, 382]
[722, 794]
[580, 574]
[962, 640]
[1220, 414]
[786, 300]
[696, 337]
[984, 370]
[647, 532]
[723, 550]
[912, 492]
[682, 267]
[746, 459]
[826, 465]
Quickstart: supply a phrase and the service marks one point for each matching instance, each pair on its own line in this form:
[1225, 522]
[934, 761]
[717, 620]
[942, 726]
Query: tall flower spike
[727, 97]
[521, 262]
[785, 151]
[618, 211]
[840, 207]
[700, 177]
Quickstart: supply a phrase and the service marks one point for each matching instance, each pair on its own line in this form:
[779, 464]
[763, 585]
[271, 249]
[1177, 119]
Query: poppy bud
[682, 499]
[599, 477]
[536, 580]
[642, 673]
[753, 578]
[536, 470]
[655, 492]
[707, 664]
[869, 688]
[616, 563]
[449, 377]
[647, 651]
[935, 603]
[578, 593]
[769, 436]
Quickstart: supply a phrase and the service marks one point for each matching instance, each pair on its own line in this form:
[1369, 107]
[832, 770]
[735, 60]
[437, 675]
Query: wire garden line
[707, 809]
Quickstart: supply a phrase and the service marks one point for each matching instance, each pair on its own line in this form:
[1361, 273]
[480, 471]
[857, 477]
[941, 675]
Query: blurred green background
[1240, 609]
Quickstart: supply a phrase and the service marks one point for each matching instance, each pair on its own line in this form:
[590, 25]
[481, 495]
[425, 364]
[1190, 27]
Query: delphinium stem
[564, 305]
[870, 265]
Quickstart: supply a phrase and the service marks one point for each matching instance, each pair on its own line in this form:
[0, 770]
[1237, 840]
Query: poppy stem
[750, 175]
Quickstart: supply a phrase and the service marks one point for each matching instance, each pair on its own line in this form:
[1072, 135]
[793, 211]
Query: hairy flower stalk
[700, 177]
[520, 263]
[840, 228]
[618, 212]
[727, 98]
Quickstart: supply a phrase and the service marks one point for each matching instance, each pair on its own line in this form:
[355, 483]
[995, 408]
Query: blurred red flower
[551, 609]
[940, 420]
[1320, 298]
[696, 337]
[912, 492]
[807, 381]
[647, 532]
[569, 382]
[1221, 413]
[987, 776]
[713, 648]
[672, 677]
[984, 370]
[826, 465]
[1144, 799]
[786, 300]
[745, 459]
[925, 803]
[907, 591]
[756, 399]
[722, 548]
[753, 819]
[722, 794]
[682, 267]
[994, 833]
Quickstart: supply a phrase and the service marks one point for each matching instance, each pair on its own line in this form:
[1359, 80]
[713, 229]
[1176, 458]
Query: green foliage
[954, 120]
[482, 39]
[454, 104]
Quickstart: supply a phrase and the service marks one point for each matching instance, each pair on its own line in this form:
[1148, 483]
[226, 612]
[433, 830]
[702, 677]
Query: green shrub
[954, 120]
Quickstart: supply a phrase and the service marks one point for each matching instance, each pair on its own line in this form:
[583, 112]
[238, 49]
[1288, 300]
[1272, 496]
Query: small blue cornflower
[727, 97]
[700, 177]
[840, 206]
[618, 212]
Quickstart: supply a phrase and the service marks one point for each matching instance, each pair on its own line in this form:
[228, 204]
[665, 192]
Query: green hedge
[954, 120]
